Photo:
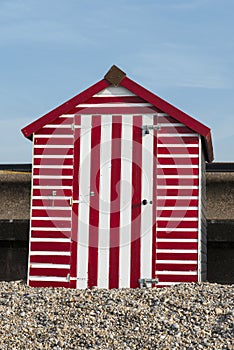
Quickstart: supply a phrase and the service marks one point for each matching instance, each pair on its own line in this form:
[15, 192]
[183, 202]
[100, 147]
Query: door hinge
[145, 281]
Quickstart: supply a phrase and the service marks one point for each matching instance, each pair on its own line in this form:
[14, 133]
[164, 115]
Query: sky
[50, 50]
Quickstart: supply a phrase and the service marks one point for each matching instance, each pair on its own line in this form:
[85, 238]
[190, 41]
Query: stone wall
[15, 191]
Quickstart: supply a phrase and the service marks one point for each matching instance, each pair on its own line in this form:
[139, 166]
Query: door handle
[144, 202]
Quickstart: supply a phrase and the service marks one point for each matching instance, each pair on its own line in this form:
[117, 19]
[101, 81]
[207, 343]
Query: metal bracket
[144, 281]
[146, 128]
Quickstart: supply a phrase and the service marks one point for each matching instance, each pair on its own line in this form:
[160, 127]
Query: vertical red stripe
[76, 167]
[94, 201]
[136, 201]
[154, 206]
[115, 202]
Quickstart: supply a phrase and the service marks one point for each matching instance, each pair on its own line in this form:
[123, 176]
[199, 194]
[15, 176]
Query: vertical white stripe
[84, 190]
[199, 212]
[104, 202]
[125, 203]
[147, 193]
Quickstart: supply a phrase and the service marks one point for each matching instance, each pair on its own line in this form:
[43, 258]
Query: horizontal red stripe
[53, 151]
[53, 141]
[48, 284]
[164, 120]
[55, 131]
[50, 259]
[177, 140]
[176, 267]
[115, 99]
[62, 120]
[177, 234]
[114, 110]
[177, 213]
[48, 272]
[53, 171]
[178, 150]
[52, 182]
[176, 171]
[48, 223]
[175, 130]
[50, 202]
[177, 192]
[51, 212]
[176, 278]
[53, 161]
[53, 246]
[176, 245]
[177, 182]
[178, 161]
[50, 234]
[177, 224]
[177, 202]
[176, 256]
[48, 192]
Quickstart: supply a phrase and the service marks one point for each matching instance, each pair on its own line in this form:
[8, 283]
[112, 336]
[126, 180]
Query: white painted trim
[53, 156]
[48, 187]
[53, 136]
[67, 116]
[49, 266]
[47, 253]
[168, 283]
[177, 135]
[176, 240]
[51, 208]
[177, 187]
[58, 166]
[62, 177]
[200, 213]
[177, 197]
[184, 273]
[57, 126]
[146, 193]
[172, 229]
[54, 146]
[104, 203]
[52, 240]
[48, 278]
[187, 155]
[187, 145]
[117, 104]
[84, 207]
[125, 203]
[177, 208]
[177, 251]
[162, 218]
[50, 218]
[176, 177]
[171, 125]
[59, 229]
[113, 91]
[30, 222]
[182, 262]
[177, 166]
[51, 198]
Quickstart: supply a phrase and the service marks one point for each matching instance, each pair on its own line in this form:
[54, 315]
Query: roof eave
[64, 108]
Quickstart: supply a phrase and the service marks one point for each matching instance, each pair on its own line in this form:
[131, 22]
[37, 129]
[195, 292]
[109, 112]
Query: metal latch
[144, 281]
[146, 128]
[75, 201]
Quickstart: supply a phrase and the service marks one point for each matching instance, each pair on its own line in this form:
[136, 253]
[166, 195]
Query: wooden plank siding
[55, 257]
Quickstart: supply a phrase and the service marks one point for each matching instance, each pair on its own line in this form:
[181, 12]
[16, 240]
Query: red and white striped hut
[118, 190]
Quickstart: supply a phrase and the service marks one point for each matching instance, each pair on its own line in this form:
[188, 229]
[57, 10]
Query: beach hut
[118, 190]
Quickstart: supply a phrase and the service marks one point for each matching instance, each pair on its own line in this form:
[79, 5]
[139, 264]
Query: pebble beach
[184, 316]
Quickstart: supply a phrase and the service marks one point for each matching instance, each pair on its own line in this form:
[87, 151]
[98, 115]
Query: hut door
[113, 202]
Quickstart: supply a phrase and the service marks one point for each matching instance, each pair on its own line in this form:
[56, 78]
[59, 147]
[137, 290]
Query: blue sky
[182, 50]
